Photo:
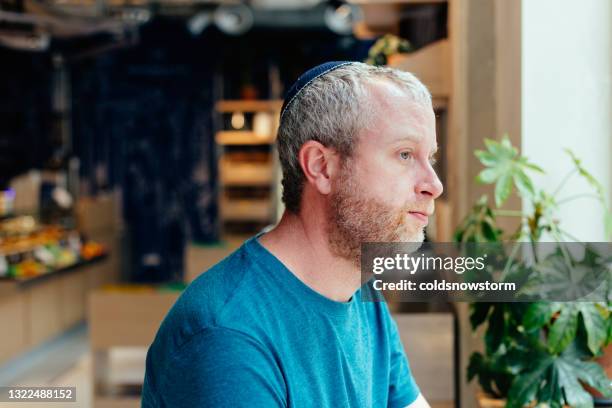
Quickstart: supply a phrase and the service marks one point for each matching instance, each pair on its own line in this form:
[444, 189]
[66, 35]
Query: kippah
[307, 77]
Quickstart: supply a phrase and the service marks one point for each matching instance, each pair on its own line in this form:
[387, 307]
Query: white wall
[566, 99]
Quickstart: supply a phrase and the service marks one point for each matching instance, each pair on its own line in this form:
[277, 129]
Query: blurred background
[137, 150]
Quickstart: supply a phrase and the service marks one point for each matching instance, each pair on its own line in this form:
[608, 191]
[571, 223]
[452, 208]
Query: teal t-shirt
[249, 333]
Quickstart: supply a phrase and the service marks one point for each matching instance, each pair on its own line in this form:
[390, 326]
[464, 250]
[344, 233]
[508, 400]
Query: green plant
[386, 45]
[537, 352]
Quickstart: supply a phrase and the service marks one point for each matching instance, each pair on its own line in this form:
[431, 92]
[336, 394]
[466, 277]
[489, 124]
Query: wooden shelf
[246, 209]
[248, 106]
[242, 137]
[431, 64]
[238, 173]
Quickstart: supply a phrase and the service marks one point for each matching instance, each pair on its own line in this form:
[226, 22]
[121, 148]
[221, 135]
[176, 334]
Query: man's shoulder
[206, 301]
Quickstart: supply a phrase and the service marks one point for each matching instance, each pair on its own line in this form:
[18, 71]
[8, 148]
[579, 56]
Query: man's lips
[421, 216]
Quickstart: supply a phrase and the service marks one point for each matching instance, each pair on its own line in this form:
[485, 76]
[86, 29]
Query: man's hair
[333, 110]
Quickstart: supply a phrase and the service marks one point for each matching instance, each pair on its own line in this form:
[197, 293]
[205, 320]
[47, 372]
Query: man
[280, 323]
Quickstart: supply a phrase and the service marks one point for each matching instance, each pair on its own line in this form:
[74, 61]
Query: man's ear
[319, 165]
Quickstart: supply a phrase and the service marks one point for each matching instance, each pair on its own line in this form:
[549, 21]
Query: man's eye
[405, 155]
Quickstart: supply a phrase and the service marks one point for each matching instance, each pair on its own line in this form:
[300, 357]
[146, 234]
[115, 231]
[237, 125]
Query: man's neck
[302, 246]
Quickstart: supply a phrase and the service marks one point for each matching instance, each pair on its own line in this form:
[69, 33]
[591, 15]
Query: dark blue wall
[142, 117]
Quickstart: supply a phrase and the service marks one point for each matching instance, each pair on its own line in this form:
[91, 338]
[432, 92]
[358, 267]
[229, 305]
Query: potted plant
[536, 353]
[385, 48]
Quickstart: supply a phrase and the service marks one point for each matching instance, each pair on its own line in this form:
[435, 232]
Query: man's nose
[430, 184]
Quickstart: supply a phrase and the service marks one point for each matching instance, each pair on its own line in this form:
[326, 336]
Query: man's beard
[354, 218]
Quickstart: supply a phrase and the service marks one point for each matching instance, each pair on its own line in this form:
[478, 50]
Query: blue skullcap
[307, 77]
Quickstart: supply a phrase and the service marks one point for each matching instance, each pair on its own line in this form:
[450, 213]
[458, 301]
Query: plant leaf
[563, 329]
[598, 189]
[595, 326]
[504, 167]
[490, 232]
[572, 369]
[503, 188]
[496, 328]
[584, 173]
[475, 366]
[494, 147]
[487, 176]
[550, 394]
[609, 337]
[505, 142]
[594, 375]
[478, 366]
[525, 385]
[486, 158]
[538, 314]
[523, 184]
[575, 394]
[479, 313]
[525, 163]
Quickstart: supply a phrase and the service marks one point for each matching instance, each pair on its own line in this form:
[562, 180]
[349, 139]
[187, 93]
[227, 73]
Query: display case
[29, 250]
[46, 272]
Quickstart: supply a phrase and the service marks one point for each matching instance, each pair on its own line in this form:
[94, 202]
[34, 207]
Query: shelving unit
[247, 164]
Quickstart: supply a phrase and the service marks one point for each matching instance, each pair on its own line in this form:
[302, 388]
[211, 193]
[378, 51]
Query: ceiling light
[234, 19]
[342, 18]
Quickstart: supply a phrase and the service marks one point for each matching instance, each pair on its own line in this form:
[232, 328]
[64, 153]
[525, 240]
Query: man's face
[386, 190]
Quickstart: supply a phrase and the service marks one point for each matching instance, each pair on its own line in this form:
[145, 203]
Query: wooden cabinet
[43, 299]
[13, 323]
[72, 291]
[42, 308]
